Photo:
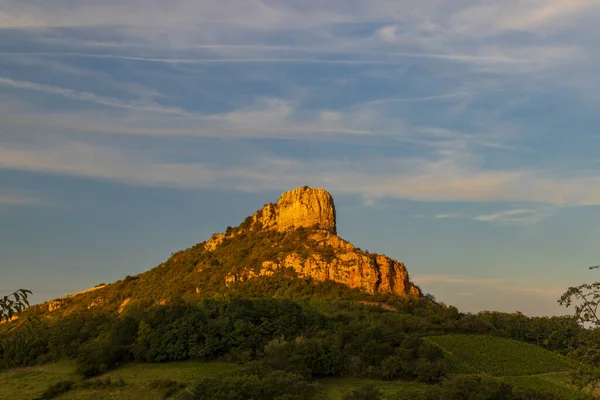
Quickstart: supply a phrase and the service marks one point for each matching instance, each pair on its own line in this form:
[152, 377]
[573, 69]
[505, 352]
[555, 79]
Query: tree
[13, 304]
[586, 300]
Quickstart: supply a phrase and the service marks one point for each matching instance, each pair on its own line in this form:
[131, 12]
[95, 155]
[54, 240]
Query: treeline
[282, 334]
[317, 338]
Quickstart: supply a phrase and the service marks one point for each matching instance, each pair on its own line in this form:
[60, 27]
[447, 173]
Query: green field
[497, 356]
[335, 387]
[27, 383]
[517, 363]
[554, 383]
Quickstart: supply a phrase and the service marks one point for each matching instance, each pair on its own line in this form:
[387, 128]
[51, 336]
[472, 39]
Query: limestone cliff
[302, 207]
[324, 255]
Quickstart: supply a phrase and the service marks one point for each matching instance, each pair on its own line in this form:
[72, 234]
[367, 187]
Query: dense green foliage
[497, 356]
[273, 385]
[310, 339]
[585, 299]
[365, 392]
[56, 389]
[545, 388]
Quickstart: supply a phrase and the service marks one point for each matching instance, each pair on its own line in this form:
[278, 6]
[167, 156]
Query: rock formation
[336, 259]
[302, 207]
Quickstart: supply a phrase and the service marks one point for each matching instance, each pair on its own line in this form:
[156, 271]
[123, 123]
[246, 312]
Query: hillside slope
[293, 238]
[497, 356]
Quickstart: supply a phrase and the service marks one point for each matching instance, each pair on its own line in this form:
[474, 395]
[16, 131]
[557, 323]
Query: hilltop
[294, 238]
[294, 311]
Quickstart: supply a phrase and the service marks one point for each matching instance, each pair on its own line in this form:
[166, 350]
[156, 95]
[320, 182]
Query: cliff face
[333, 258]
[302, 207]
[343, 263]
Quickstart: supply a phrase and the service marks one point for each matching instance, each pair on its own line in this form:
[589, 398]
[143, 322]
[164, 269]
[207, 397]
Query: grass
[517, 363]
[27, 383]
[497, 356]
[555, 383]
[336, 387]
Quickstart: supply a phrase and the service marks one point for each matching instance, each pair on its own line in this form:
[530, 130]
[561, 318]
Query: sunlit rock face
[301, 207]
[314, 208]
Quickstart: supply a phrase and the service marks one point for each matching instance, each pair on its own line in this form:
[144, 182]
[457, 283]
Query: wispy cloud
[79, 159]
[414, 99]
[88, 97]
[496, 284]
[510, 215]
[531, 15]
[420, 42]
[265, 118]
[446, 216]
[456, 279]
[416, 179]
[255, 60]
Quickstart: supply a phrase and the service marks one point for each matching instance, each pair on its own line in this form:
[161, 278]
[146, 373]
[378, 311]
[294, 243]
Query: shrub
[365, 392]
[56, 389]
[476, 388]
[101, 383]
[166, 386]
[277, 385]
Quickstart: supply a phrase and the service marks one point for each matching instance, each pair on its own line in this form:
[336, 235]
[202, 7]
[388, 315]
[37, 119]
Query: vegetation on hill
[498, 356]
[182, 379]
[284, 333]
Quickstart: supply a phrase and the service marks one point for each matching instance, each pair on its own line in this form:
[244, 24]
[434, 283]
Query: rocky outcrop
[342, 263]
[123, 305]
[331, 257]
[302, 207]
[96, 301]
[54, 305]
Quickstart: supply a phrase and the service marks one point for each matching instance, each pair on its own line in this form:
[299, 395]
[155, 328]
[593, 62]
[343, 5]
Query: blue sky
[459, 137]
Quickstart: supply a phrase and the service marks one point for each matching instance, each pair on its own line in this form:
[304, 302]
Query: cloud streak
[496, 284]
[444, 180]
[88, 97]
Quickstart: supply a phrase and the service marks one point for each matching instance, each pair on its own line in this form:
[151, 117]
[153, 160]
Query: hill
[296, 308]
[497, 356]
[293, 238]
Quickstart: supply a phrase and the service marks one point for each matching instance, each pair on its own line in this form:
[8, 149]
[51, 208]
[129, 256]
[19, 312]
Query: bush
[365, 392]
[476, 388]
[56, 389]
[101, 383]
[167, 387]
[430, 372]
[277, 385]
[92, 360]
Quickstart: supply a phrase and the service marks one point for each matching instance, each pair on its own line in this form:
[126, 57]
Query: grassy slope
[26, 383]
[520, 364]
[335, 387]
[497, 356]
[555, 383]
